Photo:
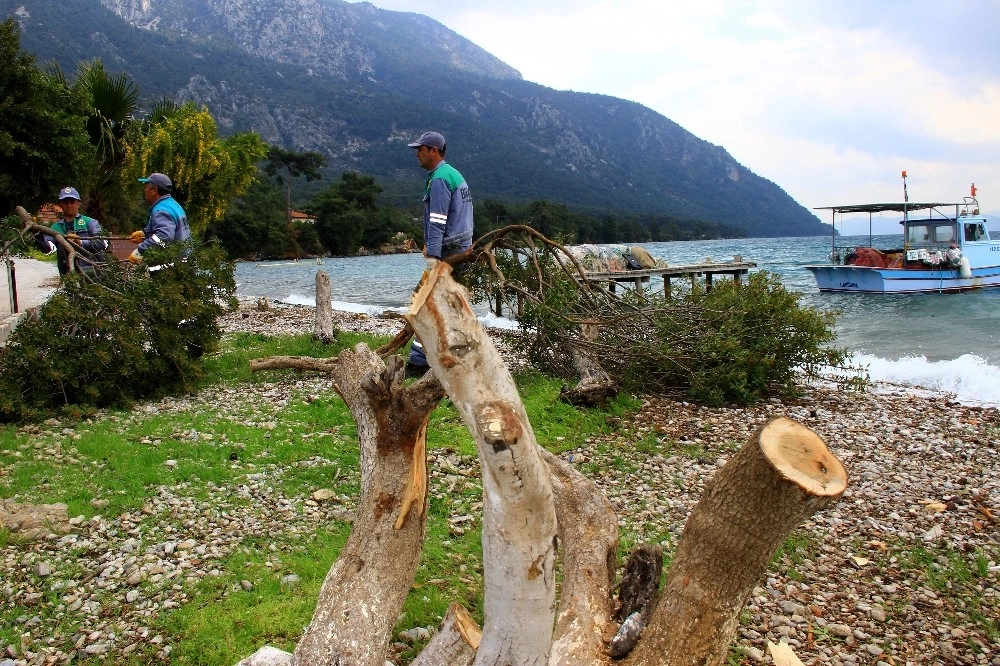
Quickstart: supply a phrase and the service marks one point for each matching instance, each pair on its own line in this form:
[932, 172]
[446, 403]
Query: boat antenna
[906, 196]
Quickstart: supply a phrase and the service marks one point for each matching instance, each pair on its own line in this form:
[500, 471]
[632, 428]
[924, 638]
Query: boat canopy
[885, 207]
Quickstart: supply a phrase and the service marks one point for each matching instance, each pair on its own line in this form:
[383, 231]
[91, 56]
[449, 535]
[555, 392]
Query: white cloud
[829, 100]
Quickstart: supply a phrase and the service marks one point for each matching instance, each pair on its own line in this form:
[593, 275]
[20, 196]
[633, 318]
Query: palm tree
[113, 103]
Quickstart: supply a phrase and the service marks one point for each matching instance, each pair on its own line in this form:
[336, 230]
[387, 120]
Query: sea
[917, 343]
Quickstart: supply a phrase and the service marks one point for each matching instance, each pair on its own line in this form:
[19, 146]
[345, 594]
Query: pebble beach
[904, 569]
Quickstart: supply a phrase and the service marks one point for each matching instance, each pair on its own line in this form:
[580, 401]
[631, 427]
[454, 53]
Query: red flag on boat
[973, 189]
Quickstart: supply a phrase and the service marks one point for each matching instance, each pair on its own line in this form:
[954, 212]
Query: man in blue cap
[447, 217]
[167, 221]
[79, 229]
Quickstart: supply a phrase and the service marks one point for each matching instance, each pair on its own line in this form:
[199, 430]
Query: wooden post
[708, 281]
[323, 328]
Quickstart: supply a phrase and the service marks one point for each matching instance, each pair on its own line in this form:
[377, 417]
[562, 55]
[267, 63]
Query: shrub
[735, 343]
[128, 335]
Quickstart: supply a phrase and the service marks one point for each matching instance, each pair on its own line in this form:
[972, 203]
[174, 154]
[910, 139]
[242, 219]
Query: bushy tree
[346, 210]
[129, 336]
[43, 141]
[254, 226]
[207, 172]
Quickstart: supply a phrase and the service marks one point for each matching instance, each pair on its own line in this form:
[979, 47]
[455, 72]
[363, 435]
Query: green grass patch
[208, 450]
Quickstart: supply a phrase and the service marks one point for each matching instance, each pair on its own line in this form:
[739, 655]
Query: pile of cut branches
[733, 343]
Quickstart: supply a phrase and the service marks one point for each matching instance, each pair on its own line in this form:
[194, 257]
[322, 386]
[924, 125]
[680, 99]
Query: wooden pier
[736, 267]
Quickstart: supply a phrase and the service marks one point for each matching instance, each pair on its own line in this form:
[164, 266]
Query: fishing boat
[946, 247]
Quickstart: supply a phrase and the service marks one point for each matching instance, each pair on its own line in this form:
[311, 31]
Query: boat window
[930, 234]
[944, 234]
[917, 233]
[974, 232]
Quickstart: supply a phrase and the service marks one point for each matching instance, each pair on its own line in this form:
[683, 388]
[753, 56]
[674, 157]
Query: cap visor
[414, 145]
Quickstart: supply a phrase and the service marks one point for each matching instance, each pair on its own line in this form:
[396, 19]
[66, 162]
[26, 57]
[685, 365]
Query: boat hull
[868, 280]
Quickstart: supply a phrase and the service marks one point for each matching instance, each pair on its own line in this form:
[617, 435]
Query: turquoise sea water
[948, 342]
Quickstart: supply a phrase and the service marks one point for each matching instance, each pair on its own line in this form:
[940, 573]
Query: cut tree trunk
[596, 386]
[455, 643]
[780, 477]
[323, 329]
[588, 533]
[519, 521]
[364, 591]
[783, 475]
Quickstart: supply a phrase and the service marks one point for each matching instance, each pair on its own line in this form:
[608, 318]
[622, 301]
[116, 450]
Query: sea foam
[971, 379]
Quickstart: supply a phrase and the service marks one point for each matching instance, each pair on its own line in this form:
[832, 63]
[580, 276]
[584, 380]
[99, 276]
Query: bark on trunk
[519, 522]
[455, 643]
[588, 532]
[364, 591]
[784, 474]
[323, 328]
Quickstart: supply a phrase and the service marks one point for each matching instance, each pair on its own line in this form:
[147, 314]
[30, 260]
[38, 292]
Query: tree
[254, 226]
[113, 103]
[43, 141]
[537, 507]
[347, 214]
[207, 172]
[295, 164]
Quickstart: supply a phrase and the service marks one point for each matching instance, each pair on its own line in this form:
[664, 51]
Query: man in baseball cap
[79, 229]
[447, 217]
[431, 140]
[167, 221]
[158, 179]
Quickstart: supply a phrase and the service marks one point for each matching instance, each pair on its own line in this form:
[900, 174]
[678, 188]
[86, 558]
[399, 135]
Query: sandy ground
[35, 280]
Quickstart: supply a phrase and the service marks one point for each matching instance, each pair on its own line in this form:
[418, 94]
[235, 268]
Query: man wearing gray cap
[80, 229]
[447, 217]
[167, 222]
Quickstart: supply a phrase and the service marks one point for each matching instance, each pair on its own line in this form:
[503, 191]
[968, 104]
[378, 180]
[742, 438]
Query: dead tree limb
[780, 477]
[364, 591]
[519, 522]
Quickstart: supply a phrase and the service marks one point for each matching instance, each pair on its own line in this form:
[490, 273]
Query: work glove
[137, 237]
[135, 257]
[72, 237]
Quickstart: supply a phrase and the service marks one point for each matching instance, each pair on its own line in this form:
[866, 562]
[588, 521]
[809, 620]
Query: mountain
[356, 83]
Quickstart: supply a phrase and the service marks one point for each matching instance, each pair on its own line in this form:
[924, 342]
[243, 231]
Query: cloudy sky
[830, 99]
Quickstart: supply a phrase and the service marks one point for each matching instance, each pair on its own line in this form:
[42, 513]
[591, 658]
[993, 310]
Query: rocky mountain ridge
[357, 83]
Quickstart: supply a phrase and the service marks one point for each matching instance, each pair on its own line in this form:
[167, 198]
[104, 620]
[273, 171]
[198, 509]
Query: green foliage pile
[733, 344]
[124, 336]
